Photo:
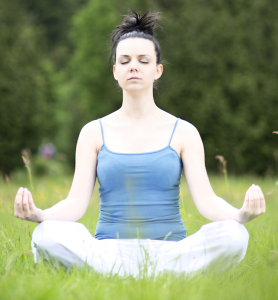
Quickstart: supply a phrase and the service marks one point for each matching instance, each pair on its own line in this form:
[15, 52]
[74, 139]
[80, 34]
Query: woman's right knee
[43, 236]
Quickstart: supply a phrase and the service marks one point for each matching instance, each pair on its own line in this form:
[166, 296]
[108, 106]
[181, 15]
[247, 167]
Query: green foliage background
[26, 87]
[220, 74]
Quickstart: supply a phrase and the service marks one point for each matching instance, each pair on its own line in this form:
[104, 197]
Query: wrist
[237, 217]
[41, 216]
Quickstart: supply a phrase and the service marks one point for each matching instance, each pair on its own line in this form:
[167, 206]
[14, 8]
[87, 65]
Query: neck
[138, 105]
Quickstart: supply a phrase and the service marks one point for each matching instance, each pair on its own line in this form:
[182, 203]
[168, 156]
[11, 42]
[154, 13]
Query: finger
[25, 203]
[18, 202]
[251, 200]
[262, 199]
[256, 199]
[246, 200]
[31, 201]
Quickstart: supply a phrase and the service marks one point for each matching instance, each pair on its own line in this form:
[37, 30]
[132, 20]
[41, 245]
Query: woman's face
[135, 68]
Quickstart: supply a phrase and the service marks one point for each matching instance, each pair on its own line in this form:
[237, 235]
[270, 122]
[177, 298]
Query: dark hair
[135, 26]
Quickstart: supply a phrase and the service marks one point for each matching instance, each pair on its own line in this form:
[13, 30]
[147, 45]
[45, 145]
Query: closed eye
[143, 62]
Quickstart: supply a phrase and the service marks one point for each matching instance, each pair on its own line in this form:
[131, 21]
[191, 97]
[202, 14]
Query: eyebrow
[141, 55]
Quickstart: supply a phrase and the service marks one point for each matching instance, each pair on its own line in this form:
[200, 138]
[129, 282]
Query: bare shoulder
[92, 127]
[90, 135]
[187, 130]
[189, 138]
[184, 128]
[112, 118]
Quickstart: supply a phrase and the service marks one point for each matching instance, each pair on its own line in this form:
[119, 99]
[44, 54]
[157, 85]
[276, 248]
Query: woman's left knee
[237, 237]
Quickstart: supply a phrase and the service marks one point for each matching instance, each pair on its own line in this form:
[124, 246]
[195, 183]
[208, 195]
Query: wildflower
[7, 179]
[221, 159]
[26, 157]
[26, 153]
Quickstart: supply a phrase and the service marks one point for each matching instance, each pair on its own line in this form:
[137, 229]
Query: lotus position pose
[138, 154]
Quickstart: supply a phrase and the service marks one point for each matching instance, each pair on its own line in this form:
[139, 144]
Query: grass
[255, 277]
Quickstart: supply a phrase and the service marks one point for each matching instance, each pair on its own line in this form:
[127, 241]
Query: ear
[159, 71]
[114, 70]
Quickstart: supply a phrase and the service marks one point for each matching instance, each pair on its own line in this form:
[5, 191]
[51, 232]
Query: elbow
[77, 209]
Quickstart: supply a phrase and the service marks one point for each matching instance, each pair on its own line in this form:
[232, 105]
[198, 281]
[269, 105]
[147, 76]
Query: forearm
[65, 210]
[217, 209]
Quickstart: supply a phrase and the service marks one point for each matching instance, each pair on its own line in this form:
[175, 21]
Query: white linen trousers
[216, 246]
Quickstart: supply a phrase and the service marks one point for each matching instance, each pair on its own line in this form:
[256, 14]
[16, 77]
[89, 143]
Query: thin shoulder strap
[101, 132]
[173, 131]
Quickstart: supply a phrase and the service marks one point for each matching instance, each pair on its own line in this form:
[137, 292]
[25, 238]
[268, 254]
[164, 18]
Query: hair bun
[134, 22]
[147, 23]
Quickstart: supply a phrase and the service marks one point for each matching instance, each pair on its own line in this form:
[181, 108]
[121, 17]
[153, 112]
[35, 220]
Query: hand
[24, 207]
[253, 206]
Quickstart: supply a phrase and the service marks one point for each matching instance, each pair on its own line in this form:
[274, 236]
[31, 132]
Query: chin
[135, 88]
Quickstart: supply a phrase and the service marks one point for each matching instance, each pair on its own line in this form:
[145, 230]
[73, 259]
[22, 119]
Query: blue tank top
[139, 194]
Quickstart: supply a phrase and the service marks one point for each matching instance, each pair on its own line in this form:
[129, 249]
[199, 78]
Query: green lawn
[256, 277]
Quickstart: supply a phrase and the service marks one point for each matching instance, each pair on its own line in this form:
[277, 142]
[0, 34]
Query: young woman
[138, 153]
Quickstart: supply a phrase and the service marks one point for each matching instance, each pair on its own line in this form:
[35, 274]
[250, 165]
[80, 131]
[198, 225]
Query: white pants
[216, 246]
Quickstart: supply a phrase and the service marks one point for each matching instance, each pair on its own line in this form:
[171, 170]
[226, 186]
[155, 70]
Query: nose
[133, 66]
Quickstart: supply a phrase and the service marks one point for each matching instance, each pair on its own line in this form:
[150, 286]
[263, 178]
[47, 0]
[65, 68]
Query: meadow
[256, 277]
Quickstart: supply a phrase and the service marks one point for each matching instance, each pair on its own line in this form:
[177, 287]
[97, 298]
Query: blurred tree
[222, 77]
[54, 18]
[90, 92]
[26, 100]
[220, 74]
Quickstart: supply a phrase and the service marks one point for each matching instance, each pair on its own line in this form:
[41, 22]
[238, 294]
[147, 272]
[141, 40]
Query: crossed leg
[216, 246]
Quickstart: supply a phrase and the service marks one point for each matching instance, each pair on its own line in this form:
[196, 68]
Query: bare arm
[208, 204]
[75, 205]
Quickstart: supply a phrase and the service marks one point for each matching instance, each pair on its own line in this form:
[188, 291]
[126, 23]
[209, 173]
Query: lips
[133, 78]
